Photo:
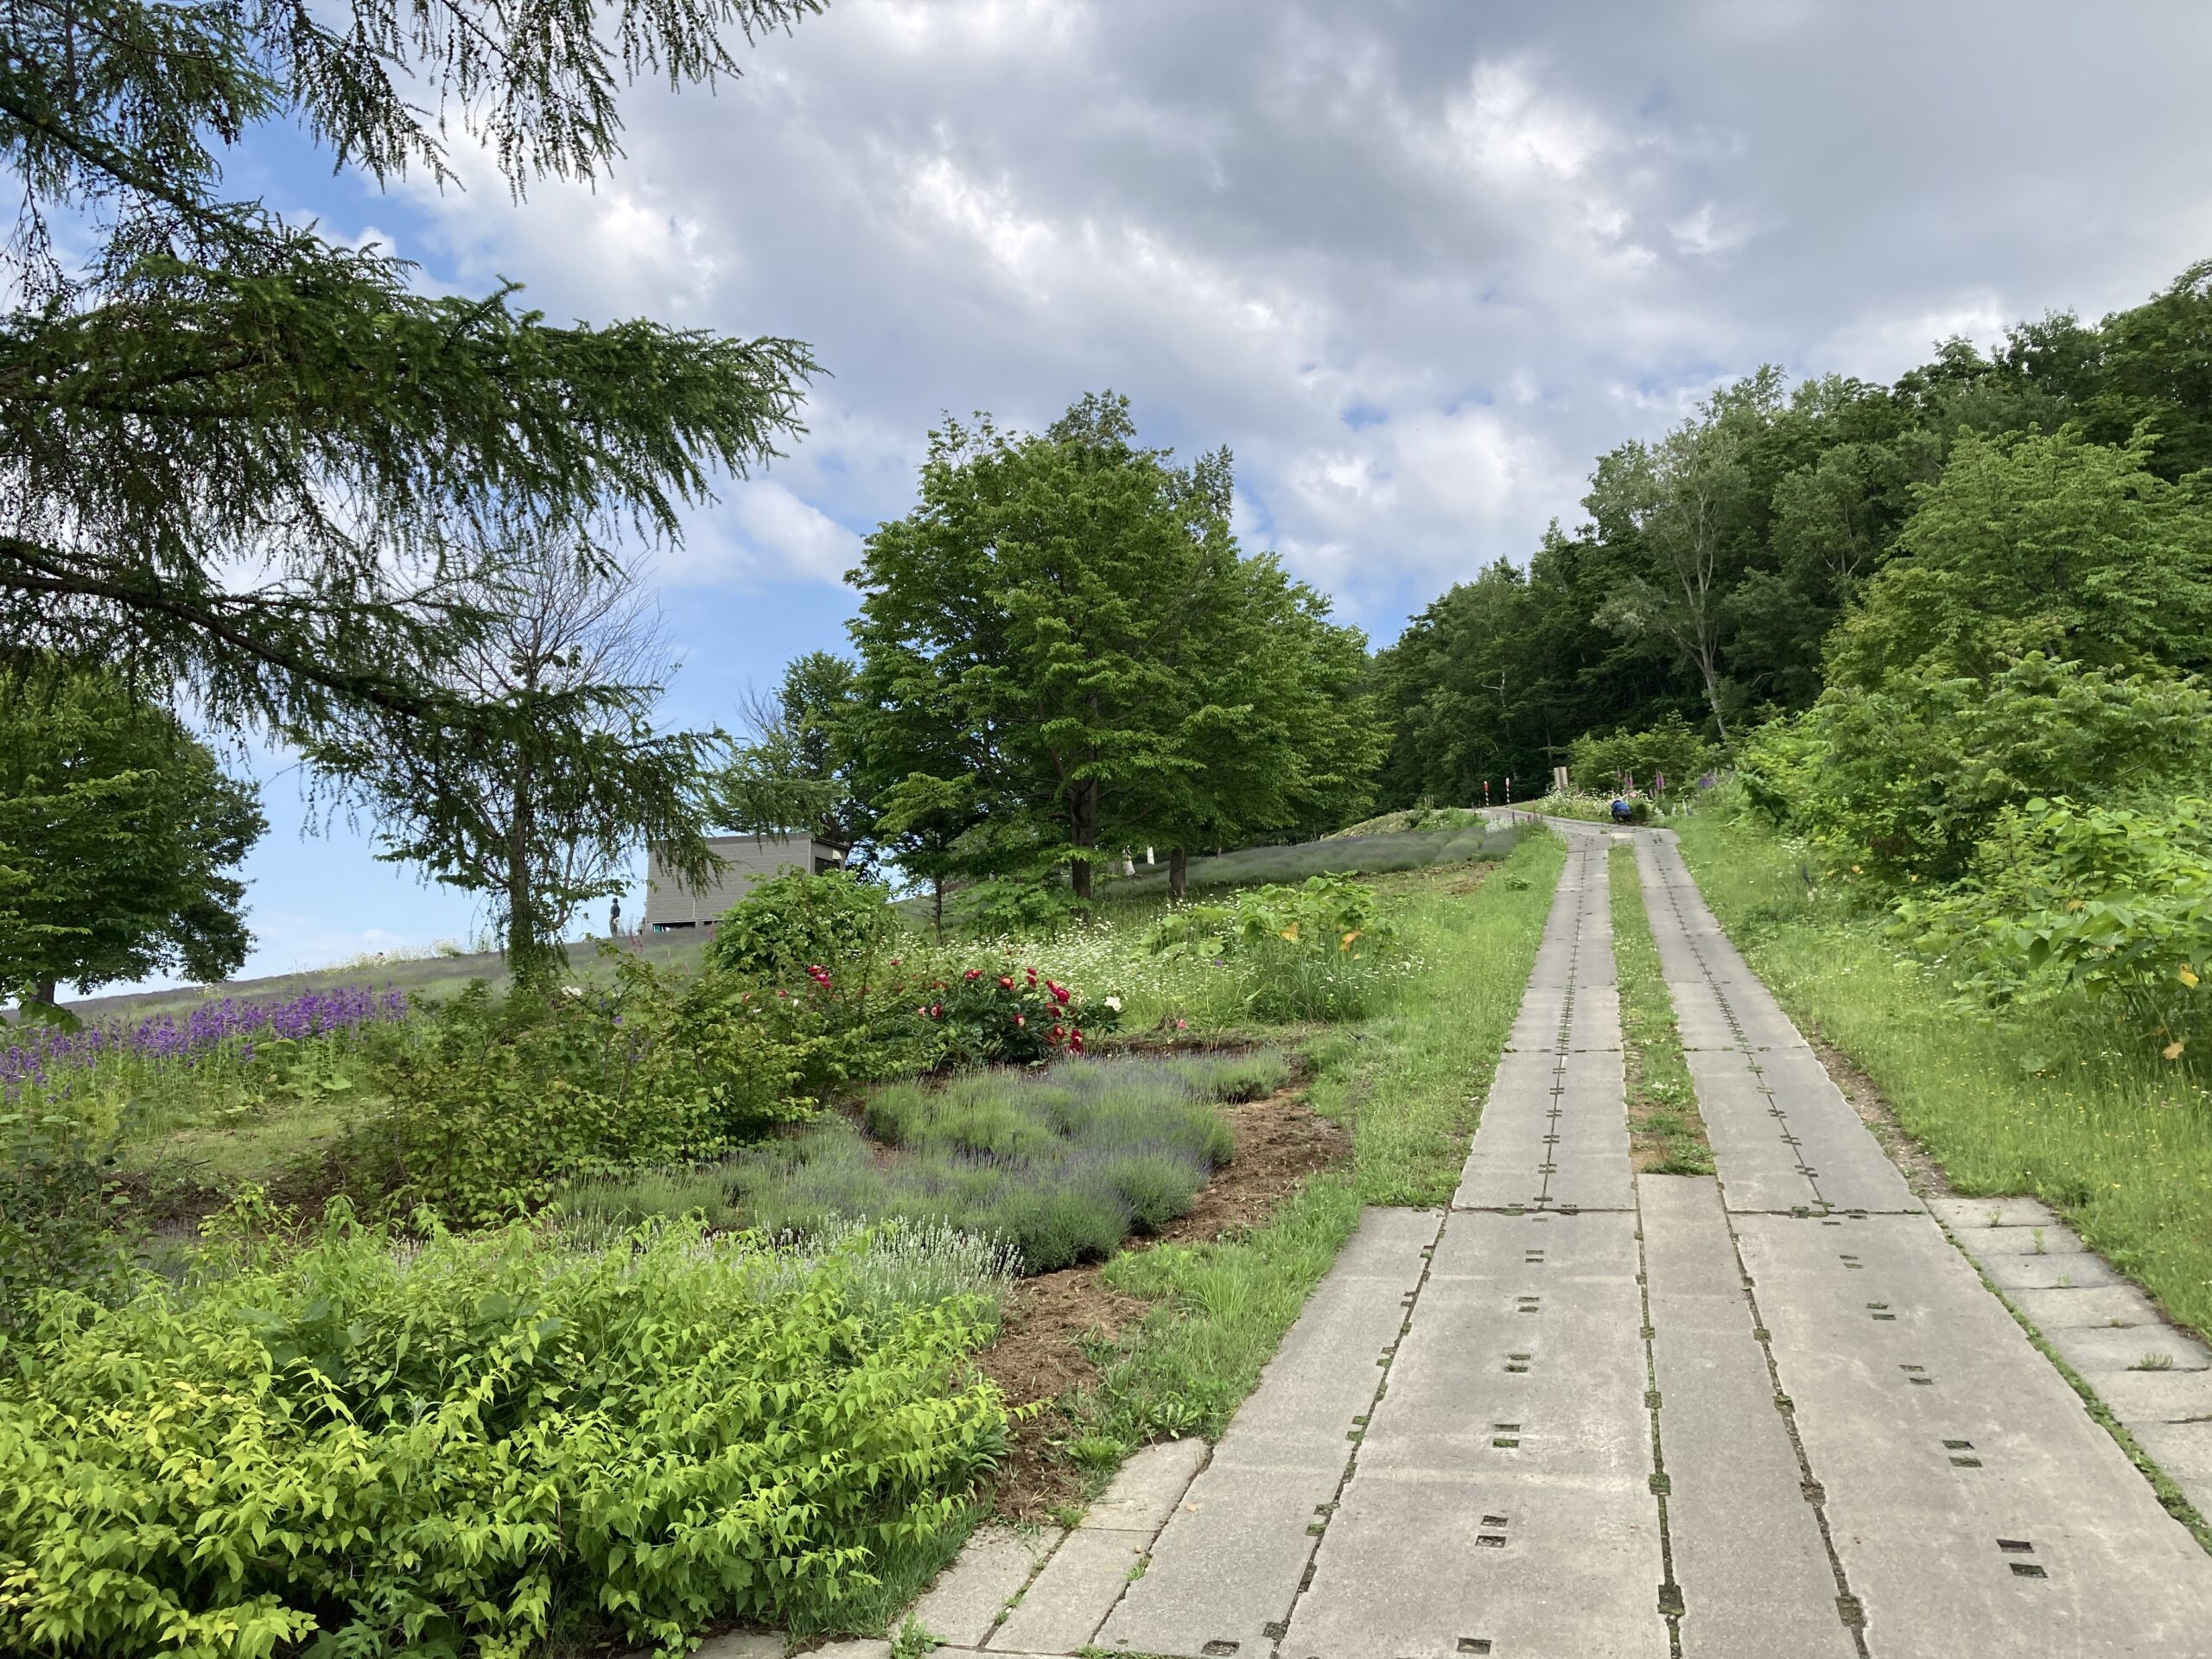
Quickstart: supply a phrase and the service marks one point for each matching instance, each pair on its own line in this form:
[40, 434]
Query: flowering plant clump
[231, 1026]
[1010, 1015]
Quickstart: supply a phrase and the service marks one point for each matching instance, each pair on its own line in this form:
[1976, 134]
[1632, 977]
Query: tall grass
[1666, 1133]
[2062, 1108]
[1410, 1082]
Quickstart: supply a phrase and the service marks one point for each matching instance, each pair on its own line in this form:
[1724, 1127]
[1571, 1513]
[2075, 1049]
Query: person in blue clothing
[1621, 811]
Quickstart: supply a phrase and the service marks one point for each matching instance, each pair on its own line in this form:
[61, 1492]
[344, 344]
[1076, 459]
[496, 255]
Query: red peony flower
[1005, 983]
[975, 973]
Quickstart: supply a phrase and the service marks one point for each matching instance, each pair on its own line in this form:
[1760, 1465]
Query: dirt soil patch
[1055, 1322]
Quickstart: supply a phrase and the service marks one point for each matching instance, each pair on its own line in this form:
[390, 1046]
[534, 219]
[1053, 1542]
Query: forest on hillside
[1714, 568]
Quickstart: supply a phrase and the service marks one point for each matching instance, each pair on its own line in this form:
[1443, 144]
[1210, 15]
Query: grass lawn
[1666, 1134]
[2117, 1140]
[1409, 1083]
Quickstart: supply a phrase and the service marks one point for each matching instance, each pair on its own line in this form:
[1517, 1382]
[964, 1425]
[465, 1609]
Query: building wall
[747, 860]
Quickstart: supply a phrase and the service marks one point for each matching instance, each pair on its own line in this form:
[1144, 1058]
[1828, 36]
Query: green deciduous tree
[1062, 645]
[120, 836]
[2042, 542]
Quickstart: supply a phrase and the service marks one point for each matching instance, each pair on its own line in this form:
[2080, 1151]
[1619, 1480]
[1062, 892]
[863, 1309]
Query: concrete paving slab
[1147, 1488]
[2146, 1397]
[2139, 1347]
[2106, 1306]
[1992, 1212]
[740, 1645]
[1939, 1433]
[1066, 1602]
[1229, 1565]
[1413, 1566]
[864, 1649]
[1980, 1242]
[1326, 1371]
[1754, 1575]
[2183, 1449]
[1566, 1375]
[962, 1607]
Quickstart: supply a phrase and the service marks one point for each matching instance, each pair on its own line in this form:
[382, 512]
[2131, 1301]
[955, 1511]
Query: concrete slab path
[1774, 1414]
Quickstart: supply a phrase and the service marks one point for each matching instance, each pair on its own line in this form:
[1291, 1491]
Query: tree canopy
[119, 836]
[2040, 497]
[1063, 653]
[238, 457]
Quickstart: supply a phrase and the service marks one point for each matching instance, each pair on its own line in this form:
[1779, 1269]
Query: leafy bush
[1008, 1016]
[1036, 909]
[378, 1448]
[1904, 780]
[502, 1097]
[1599, 763]
[1308, 952]
[2111, 901]
[797, 926]
[58, 1214]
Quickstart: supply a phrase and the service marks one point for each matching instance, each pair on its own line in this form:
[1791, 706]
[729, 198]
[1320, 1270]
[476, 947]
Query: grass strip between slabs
[2118, 1142]
[1409, 1081]
[1666, 1133]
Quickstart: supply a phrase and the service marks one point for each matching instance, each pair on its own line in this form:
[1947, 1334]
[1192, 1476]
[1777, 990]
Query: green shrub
[2112, 902]
[784, 926]
[503, 1096]
[1309, 953]
[1003, 1014]
[1597, 764]
[60, 1214]
[375, 1448]
[1903, 781]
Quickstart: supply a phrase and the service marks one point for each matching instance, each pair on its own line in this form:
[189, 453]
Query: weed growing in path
[1666, 1133]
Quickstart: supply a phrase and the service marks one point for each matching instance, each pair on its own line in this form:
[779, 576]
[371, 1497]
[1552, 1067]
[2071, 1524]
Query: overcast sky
[1416, 264]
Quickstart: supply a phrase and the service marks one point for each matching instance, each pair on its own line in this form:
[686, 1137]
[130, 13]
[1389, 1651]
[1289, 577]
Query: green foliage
[1670, 749]
[502, 1098]
[1308, 952]
[60, 1226]
[2038, 543]
[121, 833]
[1063, 653]
[786, 926]
[1059, 1165]
[2113, 901]
[982, 1016]
[1031, 909]
[1903, 781]
[244, 459]
[434, 1448]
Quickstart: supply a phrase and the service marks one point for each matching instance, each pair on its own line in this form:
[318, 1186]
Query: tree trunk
[526, 953]
[1085, 838]
[1178, 872]
[43, 991]
[1709, 668]
[936, 907]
